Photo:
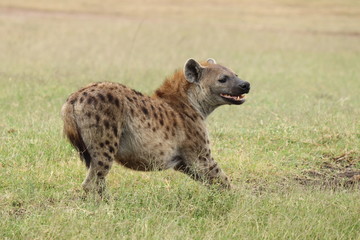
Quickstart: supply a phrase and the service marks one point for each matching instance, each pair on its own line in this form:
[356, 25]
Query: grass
[286, 149]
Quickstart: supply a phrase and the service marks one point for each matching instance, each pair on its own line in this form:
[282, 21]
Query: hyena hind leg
[97, 172]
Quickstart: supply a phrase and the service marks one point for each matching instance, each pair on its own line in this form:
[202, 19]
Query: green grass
[285, 148]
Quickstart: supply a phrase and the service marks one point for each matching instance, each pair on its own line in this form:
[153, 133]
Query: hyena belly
[148, 140]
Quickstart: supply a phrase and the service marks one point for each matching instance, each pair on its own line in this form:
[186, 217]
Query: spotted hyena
[109, 122]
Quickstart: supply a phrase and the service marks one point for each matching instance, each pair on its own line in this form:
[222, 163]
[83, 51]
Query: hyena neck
[179, 93]
[199, 99]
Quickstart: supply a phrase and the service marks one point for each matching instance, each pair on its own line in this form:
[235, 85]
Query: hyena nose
[245, 86]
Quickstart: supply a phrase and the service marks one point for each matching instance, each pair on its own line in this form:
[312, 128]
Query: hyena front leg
[204, 169]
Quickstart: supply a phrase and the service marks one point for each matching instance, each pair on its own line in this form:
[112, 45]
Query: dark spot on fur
[88, 114]
[101, 145]
[187, 115]
[115, 130]
[117, 102]
[91, 100]
[107, 124]
[154, 129]
[99, 174]
[106, 167]
[108, 112]
[81, 99]
[212, 167]
[107, 142]
[100, 163]
[107, 156]
[102, 98]
[129, 99]
[132, 111]
[175, 123]
[202, 159]
[152, 107]
[73, 101]
[148, 124]
[85, 93]
[155, 115]
[92, 90]
[111, 149]
[97, 117]
[110, 97]
[145, 111]
[138, 93]
[167, 128]
[116, 144]
[161, 153]
[161, 122]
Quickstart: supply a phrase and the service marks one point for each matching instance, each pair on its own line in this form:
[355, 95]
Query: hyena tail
[72, 132]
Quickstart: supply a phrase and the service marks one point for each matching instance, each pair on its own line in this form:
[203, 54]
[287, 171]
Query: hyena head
[214, 84]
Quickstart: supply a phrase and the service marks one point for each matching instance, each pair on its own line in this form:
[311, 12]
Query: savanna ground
[292, 150]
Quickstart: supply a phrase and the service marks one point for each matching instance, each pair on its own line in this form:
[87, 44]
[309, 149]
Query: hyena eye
[223, 79]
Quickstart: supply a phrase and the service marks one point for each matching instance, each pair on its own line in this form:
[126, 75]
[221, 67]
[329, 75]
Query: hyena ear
[192, 71]
[211, 61]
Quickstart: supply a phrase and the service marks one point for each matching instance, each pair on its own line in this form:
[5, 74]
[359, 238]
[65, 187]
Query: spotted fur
[109, 122]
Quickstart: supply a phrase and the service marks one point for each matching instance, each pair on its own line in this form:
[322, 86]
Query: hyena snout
[244, 86]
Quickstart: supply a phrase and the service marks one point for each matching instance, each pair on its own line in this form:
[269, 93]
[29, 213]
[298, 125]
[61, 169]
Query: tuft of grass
[292, 150]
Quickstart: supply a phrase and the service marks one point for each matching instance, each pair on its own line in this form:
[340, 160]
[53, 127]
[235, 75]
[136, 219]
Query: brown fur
[109, 122]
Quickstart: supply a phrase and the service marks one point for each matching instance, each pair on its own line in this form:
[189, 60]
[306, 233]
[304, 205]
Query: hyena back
[109, 122]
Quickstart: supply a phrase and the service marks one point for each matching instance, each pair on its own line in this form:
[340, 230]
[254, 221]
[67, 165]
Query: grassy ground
[293, 150]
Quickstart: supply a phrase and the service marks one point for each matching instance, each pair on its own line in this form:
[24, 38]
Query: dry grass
[300, 120]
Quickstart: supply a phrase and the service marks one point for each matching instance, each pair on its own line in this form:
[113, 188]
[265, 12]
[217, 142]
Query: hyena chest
[143, 149]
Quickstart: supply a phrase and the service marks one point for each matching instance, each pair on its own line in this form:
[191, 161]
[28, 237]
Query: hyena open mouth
[235, 99]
